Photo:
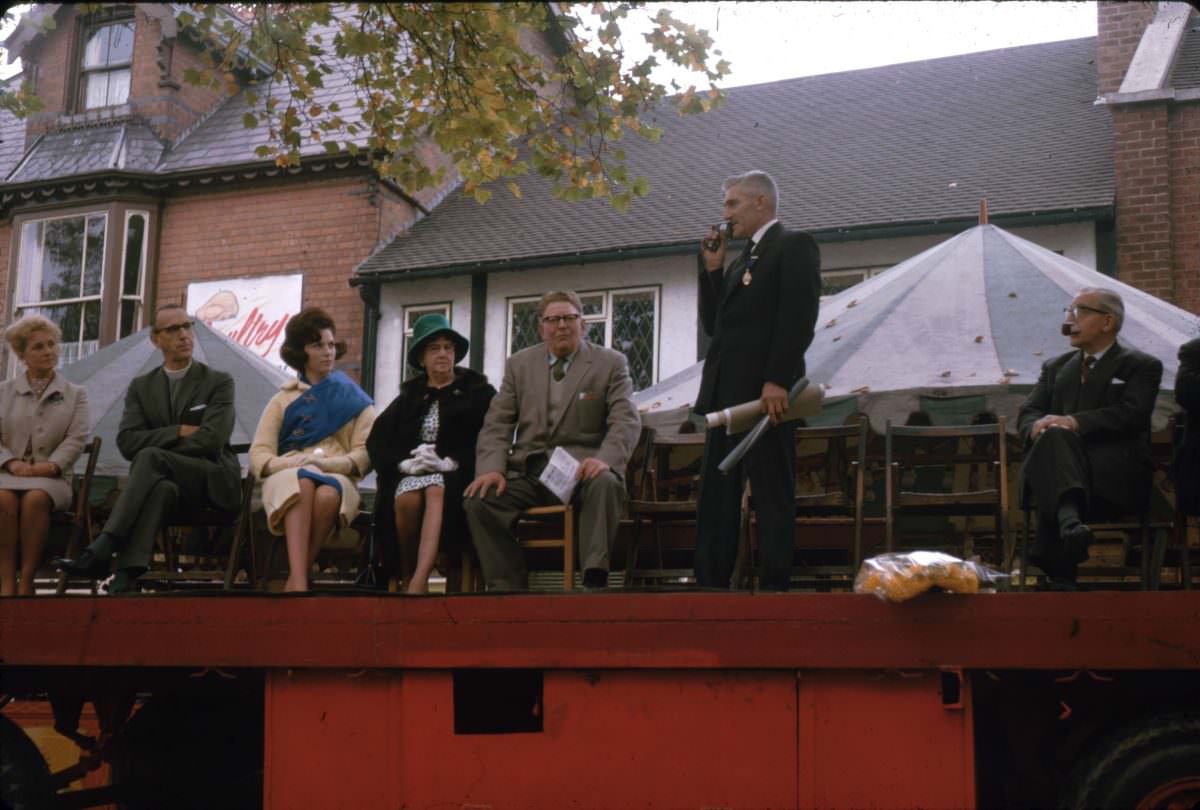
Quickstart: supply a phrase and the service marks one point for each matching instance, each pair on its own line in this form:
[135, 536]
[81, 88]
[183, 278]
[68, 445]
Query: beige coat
[57, 424]
[597, 418]
[343, 456]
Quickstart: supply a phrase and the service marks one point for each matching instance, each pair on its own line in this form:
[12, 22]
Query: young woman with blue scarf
[310, 447]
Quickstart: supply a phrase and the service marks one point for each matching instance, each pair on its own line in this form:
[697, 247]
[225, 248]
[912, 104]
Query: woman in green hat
[423, 450]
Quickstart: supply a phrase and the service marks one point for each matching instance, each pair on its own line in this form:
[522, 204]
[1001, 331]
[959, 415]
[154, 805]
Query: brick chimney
[1119, 30]
[1156, 150]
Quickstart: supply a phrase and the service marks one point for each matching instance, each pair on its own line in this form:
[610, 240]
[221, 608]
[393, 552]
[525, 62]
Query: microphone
[1068, 330]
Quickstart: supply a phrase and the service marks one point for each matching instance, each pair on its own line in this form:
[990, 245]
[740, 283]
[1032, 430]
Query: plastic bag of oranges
[899, 577]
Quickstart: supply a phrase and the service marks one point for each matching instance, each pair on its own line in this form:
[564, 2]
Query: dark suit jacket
[150, 421]
[1186, 464]
[1113, 411]
[759, 332]
[397, 431]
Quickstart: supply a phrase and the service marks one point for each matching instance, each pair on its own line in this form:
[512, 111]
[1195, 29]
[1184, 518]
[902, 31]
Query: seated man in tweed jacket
[568, 393]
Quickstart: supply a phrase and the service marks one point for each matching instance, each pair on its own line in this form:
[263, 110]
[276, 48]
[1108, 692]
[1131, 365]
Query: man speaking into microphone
[760, 312]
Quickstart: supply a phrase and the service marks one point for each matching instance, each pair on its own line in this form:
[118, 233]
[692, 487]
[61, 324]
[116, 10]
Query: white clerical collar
[178, 373]
[761, 232]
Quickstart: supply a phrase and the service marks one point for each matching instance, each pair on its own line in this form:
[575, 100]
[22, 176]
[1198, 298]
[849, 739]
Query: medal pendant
[746, 279]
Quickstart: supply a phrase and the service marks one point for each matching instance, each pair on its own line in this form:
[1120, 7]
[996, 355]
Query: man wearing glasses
[563, 392]
[1086, 429]
[175, 432]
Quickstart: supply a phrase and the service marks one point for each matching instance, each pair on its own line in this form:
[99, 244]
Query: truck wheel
[1151, 765]
[24, 776]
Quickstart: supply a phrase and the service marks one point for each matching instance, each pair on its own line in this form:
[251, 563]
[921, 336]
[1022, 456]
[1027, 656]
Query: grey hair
[568, 296]
[18, 333]
[758, 183]
[1110, 301]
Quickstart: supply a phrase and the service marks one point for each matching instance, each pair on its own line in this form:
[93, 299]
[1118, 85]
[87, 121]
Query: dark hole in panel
[951, 689]
[497, 701]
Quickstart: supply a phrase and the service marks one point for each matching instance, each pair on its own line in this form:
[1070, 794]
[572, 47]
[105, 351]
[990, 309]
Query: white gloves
[424, 460]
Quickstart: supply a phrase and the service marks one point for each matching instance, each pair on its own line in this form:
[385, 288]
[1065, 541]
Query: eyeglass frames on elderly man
[555, 320]
[175, 329]
[1073, 310]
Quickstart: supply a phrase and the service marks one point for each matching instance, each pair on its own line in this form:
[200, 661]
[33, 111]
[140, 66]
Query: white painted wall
[394, 298]
[1077, 241]
[676, 277]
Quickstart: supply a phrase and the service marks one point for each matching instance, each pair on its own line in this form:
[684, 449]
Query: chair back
[79, 516]
[947, 470]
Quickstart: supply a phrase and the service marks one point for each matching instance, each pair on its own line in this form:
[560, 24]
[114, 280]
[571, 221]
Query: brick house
[1149, 80]
[132, 184]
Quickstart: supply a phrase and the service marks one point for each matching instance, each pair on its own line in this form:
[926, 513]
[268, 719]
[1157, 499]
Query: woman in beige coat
[310, 447]
[43, 427]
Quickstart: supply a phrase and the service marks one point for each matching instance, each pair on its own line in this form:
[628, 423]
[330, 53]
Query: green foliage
[477, 81]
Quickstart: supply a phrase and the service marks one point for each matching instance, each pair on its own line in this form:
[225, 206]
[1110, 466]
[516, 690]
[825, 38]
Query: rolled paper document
[739, 418]
[735, 455]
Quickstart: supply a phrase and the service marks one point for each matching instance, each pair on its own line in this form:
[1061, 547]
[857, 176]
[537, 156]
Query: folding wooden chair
[1138, 531]
[924, 474]
[560, 515]
[659, 496]
[829, 492]
[79, 517]
[206, 566]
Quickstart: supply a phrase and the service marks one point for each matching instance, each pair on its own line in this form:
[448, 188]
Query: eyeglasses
[175, 329]
[555, 320]
[1074, 309]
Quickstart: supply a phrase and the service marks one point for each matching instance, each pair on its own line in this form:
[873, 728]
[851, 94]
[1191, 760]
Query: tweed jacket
[597, 418]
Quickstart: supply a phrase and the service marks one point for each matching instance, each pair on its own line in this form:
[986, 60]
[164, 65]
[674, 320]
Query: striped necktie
[559, 369]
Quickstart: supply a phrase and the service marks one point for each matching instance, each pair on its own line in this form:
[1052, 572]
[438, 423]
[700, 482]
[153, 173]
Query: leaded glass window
[625, 320]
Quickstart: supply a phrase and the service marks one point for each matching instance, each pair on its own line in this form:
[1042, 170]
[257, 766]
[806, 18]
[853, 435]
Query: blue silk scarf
[321, 411]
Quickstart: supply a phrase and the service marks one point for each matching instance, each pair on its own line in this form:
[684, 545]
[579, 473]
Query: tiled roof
[905, 143]
[222, 138]
[12, 141]
[1186, 75]
[218, 139]
[125, 146]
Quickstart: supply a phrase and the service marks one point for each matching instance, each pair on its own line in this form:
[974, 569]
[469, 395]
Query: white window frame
[105, 68]
[604, 317]
[441, 307]
[23, 266]
[140, 296]
[864, 273]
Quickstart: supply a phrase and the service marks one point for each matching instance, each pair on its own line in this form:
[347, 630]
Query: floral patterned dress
[429, 430]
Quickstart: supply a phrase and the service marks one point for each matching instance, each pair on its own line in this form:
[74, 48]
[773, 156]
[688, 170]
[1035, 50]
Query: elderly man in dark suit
[175, 432]
[563, 392]
[1086, 428]
[760, 312]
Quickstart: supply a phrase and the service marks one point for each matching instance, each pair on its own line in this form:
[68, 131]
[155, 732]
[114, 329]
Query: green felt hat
[428, 327]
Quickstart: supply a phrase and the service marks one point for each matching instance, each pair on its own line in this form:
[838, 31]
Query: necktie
[1088, 362]
[559, 369]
